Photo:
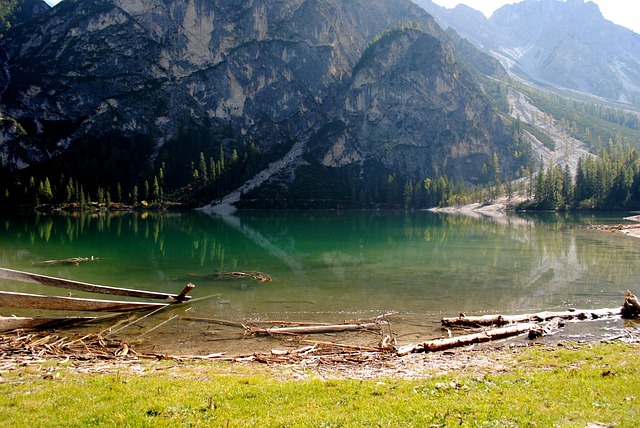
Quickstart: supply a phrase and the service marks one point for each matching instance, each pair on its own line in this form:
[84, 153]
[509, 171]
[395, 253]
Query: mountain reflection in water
[328, 266]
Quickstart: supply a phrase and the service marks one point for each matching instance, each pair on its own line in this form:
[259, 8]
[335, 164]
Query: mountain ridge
[568, 45]
[162, 82]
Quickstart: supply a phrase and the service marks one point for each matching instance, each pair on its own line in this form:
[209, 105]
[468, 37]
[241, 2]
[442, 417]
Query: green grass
[550, 386]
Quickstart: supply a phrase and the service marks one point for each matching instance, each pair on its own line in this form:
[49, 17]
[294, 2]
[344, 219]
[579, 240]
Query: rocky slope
[566, 44]
[15, 12]
[342, 75]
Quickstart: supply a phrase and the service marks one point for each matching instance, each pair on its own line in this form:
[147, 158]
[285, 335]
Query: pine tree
[221, 169]
[44, 190]
[70, 191]
[203, 168]
[156, 190]
[134, 196]
[408, 195]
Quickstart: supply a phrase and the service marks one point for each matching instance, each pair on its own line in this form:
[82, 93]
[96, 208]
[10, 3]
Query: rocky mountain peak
[344, 82]
[567, 44]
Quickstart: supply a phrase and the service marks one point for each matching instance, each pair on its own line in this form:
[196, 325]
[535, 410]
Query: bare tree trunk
[313, 329]
[487, 320]
[467, 339]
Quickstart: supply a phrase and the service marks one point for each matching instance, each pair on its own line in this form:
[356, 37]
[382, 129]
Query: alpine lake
[412, 268]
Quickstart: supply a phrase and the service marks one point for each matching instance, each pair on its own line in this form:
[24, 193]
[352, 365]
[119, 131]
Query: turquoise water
[328, 266]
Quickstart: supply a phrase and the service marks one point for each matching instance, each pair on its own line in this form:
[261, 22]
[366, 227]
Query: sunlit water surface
[327, 266]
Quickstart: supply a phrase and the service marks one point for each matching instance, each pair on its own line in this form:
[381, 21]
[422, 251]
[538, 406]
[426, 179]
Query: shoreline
[102, 356]
[503, 207]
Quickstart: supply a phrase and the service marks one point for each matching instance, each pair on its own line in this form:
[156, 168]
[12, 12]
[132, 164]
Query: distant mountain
[566, 44]
[120, 93]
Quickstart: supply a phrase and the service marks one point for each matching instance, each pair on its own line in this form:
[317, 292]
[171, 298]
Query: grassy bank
[569, 385]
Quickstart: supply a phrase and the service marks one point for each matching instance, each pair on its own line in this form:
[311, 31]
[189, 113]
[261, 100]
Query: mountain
[563, 44]
[15, 12]
[200, 96]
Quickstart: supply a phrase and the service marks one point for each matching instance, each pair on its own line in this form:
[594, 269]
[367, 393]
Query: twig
[161, 324]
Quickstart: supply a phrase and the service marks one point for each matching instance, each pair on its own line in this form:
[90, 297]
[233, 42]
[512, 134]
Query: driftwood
[70, 261]
[537, 325]
[547, 329]
[214, 321]
[467, 339]
[333, 345]
[631, 307]
[311, 329]
[269, 328]
[34, 278]
[488, 320]
[14, 323]
[22, 346]
[258, 276]
[35, 301]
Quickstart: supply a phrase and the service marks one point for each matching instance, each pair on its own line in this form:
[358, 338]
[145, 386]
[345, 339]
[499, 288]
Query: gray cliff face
[273, 72]
[409, 106]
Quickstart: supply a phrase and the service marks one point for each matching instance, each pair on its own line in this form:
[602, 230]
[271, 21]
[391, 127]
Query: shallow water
[327, 266]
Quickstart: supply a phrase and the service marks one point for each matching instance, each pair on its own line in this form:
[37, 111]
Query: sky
[621, 12]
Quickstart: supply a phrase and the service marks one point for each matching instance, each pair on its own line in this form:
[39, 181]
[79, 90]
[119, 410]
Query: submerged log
[35, 278]
[467, 339]
[488, 320]
[35, 301]
[70, 261]
[25, 323]
[311, 329]
[214, 321]
[258, 276]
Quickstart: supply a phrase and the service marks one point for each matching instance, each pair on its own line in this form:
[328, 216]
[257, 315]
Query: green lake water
[327, 266]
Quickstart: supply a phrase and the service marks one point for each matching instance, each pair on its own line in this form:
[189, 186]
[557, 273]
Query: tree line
[88, 178]
[610, 181]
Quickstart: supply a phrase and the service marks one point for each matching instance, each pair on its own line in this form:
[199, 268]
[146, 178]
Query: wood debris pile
[22, 348]
[36, 346]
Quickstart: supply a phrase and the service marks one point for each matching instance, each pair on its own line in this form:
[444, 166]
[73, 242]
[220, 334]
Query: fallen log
[214, 321]
[288, 323]
[70, 261]
[464, 340]
[489, 320]
[24, 323]
[312, 329]
[258, 276]
[34, 278]
[316, 343]
[34, 301]
[548, 329]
